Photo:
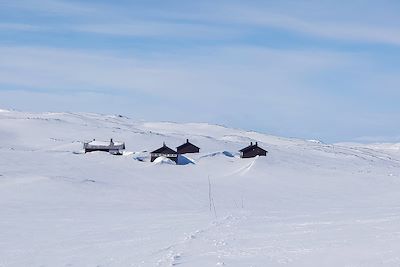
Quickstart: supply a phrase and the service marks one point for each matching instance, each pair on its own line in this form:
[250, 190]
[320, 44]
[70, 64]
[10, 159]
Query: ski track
[176, 254]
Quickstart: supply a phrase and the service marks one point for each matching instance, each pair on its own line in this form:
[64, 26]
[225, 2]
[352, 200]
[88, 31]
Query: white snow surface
[164, 160]
[305, 204]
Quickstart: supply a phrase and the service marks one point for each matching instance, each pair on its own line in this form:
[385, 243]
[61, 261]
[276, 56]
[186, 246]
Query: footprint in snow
[172, 259]
[176, 259]
[89, 181]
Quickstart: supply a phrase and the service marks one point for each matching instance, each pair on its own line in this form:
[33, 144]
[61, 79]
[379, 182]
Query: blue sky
[325, 70]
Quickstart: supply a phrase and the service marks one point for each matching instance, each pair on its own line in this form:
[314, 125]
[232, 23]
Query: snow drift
[305, 204]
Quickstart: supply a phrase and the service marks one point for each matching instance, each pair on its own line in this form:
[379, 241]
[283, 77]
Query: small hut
[115, 148]
[164, 151]
[252, 151]
[187, 148]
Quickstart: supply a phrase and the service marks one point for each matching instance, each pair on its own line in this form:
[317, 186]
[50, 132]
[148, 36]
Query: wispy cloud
[65, 68]
[331, 24]
[212, 20]
[58, 7]
[157, 29]
[19, 27]
[351, 31]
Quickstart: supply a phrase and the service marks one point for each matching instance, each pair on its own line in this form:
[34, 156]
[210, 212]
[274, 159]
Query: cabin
[252, 151]
[164, 151]
[187, 148]
[115, 148]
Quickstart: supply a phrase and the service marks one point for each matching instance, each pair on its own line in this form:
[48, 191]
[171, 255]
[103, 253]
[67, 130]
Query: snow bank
[164, 160]
[127, 153]
[315, 141]
[219, 153]
[185, 160]
[141, 156]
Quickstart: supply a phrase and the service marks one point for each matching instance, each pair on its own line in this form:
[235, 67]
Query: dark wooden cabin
[252, 151]
[187, 148]
[164, 151]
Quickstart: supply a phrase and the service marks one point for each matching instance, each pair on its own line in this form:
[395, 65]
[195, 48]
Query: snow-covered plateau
[305, 204]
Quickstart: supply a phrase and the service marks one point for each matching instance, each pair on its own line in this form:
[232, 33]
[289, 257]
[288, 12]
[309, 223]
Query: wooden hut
[252, 151]
[164, 151]
[187, 148]
[115, 148]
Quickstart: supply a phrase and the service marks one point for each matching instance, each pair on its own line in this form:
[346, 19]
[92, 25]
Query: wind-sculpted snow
[164, 160]
[306, 204]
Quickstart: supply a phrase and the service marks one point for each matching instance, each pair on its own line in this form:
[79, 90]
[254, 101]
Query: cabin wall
[253, 153]
[90, 148]
[186, 150]
[96, 149]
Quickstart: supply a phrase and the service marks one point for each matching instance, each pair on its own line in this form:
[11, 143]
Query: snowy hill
[305, 204]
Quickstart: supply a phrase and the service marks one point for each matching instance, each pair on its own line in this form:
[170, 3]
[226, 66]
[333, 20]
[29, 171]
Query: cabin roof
[165, 150]
[251, 147]
[104, 143]
[187, 144]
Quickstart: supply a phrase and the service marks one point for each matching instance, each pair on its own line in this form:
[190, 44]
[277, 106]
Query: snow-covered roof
[104, 143]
